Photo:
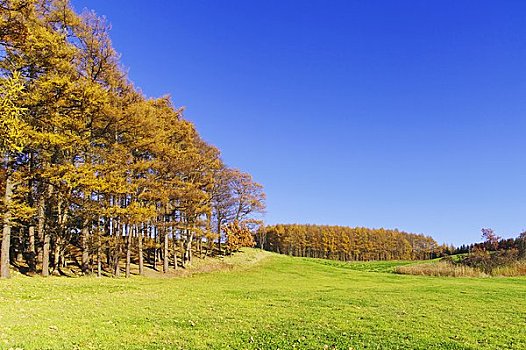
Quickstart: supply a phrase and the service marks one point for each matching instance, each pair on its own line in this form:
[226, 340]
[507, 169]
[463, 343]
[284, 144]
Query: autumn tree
[13, 137]
[239, 235]
[236, 198]
[490, 238]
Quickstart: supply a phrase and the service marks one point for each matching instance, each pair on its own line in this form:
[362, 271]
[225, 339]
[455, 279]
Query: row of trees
[93, 171]
[348, 243]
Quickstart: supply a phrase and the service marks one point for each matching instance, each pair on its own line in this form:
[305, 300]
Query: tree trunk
[6, 232]
[56, 256]
[31, 251]
[141, 257]
[128, 251]
[181, 249]
[45, 235]
[84, 247]
[188, 249]
[99, 257]
[210, 248]
[45, 255]
[174, 247]
[41, 219]
[165, 252]
[155, 249]
[108, 228]
[60, 240]
[116, 253]
[219, 235]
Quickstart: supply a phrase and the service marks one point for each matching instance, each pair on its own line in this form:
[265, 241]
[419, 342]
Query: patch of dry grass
[444, 268]
[241, 260]
[440, 269]
[517, 268]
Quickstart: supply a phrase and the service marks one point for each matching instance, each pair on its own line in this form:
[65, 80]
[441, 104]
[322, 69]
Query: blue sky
[396, 114]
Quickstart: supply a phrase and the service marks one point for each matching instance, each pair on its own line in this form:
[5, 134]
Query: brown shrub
[488, 261]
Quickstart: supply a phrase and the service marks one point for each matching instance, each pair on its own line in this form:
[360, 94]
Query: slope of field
[266, 301]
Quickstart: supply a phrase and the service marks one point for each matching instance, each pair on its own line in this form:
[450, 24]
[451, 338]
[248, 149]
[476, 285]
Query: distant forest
[94, 175]
[349, 243]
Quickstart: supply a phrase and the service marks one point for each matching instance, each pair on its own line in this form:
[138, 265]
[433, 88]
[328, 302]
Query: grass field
[266, 301]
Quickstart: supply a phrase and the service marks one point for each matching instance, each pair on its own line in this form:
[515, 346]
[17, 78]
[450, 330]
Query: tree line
[94, 173]
[348, 243]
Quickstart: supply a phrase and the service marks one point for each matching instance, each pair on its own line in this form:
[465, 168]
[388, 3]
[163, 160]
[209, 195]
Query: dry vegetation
[440, 268]
[445, 268]
[517, 268]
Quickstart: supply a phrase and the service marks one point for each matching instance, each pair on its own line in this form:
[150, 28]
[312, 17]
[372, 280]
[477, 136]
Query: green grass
[367, 266]
[276, 302]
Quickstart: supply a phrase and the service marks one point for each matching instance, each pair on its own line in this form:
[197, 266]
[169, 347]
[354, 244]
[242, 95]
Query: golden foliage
[93, 155]
[238, 236]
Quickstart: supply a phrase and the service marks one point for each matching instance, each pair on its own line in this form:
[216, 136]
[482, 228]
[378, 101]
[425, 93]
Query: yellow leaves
[134, 213]
[47, 47]
[21, 210]
[137, 212]
[13, 128]
[16, 204]
[238, 235]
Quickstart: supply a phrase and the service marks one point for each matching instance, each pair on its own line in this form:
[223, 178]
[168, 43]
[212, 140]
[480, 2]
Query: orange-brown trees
[104, 176]
[348, 243]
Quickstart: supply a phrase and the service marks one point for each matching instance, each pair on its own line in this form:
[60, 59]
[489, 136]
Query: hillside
[265, 301]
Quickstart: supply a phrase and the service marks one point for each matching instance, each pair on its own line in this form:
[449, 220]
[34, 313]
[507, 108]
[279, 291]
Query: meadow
[261, 300]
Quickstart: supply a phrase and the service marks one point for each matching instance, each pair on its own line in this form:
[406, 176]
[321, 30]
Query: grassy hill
[260, 300]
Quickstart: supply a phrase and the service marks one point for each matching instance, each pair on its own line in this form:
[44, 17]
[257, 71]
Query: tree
[235, 197]
[13, 136]
[238, 235]
[491, 239]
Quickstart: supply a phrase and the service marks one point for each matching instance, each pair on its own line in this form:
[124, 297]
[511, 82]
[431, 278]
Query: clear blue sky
[396, 114]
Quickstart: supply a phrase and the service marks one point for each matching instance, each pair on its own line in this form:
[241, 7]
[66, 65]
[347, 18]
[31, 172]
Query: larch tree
[13, 137]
